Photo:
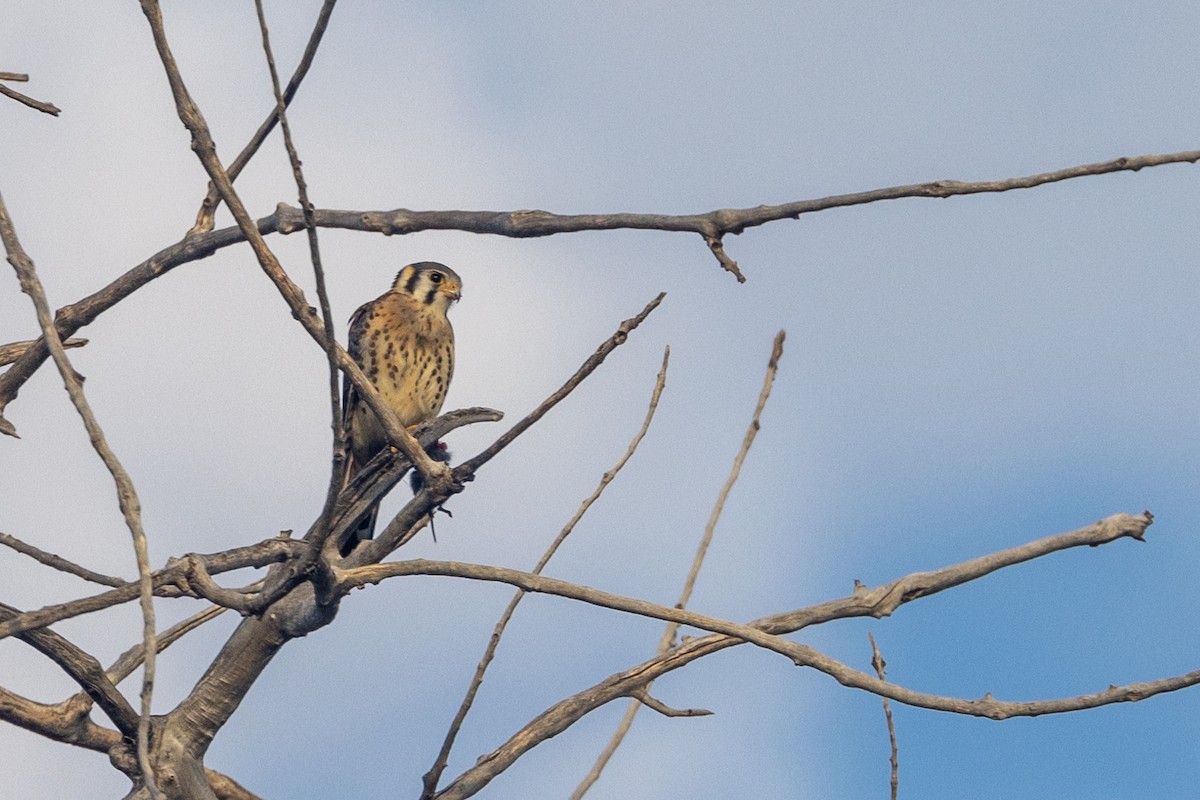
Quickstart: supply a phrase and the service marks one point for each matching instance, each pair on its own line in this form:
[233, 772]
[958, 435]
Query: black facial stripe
[411, 286]
[430, 295]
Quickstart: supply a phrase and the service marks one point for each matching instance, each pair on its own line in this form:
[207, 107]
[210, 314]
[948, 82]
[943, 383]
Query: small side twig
[717, 245]
[13, 350]
[643, 696]
[880, 665]
[667, 641]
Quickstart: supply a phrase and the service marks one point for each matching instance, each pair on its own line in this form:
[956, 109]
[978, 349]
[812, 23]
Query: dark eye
[436, 277]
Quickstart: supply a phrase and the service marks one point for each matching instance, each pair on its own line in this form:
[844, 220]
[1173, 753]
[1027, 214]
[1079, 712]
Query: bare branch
[127, 497]
[13, 350]
[434, 774]
[712, 226]
[734, 472]
[880, 665]
[58, 562]
[667, 641]
[878, 602]
[864, 602]
[516, 224]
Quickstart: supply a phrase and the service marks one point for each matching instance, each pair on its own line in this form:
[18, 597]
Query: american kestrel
[404, 344]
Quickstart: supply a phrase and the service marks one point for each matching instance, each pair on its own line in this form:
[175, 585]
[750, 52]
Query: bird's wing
[350, 397]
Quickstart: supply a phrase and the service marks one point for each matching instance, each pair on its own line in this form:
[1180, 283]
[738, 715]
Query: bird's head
[431, 283]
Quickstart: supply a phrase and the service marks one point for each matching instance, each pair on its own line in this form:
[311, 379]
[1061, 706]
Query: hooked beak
[451, 290]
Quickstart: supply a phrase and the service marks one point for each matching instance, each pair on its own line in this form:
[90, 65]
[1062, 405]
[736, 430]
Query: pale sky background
[960, 376]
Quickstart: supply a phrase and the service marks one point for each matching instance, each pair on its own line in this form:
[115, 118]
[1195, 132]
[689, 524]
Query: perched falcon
[404, 344]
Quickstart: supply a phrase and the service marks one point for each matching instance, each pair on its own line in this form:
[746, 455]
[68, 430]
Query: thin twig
[880, 666]
[127, 497]
[337, 477]
[439, 766]
[15, 77]
[58, 562]
[468, 468]
[204, 217]
[518, 224]
[667, 641]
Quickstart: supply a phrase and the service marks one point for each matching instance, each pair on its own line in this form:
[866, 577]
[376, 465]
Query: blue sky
[960, 376]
